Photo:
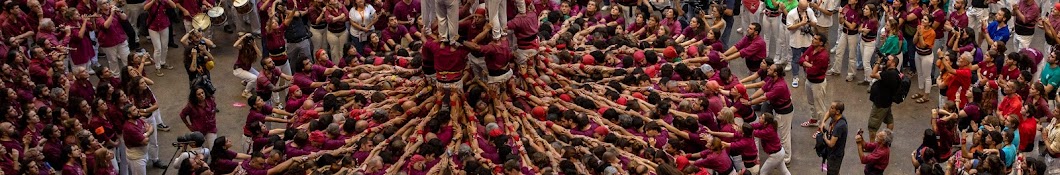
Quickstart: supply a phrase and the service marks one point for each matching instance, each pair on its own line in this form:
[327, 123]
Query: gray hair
[888, 137]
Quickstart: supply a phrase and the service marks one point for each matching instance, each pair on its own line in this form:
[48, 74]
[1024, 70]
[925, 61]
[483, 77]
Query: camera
[196, 138]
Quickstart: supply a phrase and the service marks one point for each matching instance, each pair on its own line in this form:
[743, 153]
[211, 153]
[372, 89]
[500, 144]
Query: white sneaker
[739, 30]
[787, 67]
[795, 83]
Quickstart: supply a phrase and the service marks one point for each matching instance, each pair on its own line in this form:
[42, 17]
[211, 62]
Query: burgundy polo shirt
[134, 133]
[202, 116]
[525, 30]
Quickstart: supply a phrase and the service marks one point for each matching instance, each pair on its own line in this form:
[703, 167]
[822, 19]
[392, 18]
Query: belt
[772, 13]
[850, 31]
[499, 72]
[773, 152]
[278, 52]
[297, 40]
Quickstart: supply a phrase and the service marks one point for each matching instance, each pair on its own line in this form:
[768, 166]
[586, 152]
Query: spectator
[882, 93]
[834, 136]
[876, 162]
[816, 61]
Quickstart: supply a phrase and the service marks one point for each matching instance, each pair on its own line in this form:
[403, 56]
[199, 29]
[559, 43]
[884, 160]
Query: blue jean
[795, 54]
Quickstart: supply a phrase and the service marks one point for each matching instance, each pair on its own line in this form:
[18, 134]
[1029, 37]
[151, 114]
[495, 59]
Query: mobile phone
[860, 131]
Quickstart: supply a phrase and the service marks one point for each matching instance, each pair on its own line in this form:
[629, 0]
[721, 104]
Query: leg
[495, 8]
[840, 53]
[247, 76]
[820, 92]
[133, 11]
[834, 165]
[784, 130]
[112, 58]
[210, 137]
[875, 119]
[866, 58]
[925, 67]
[152, 145]
[122, 157]
[138, 166]
[336, 45]
[427, 14]
[851, 57]
[319, 39]
[451, 18]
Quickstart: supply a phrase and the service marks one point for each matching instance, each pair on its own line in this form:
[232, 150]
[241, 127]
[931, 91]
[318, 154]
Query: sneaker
[795, 83]
[163, 127]
[167, 67]
[739, 30]
[824, 167]
[850, 78]
[810, 123]
[863, 83]
[173, 45]
[832, 51]
[159, 73]
[246, 94]
[160, 165]
[787, 67]
[831, 73]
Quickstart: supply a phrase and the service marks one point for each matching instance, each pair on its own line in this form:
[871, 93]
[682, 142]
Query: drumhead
[240, 3]
[200, 21]
[215, 12]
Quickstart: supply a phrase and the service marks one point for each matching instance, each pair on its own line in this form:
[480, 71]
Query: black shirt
[839, 129]
[298, 30]
[979, 4]
[882, 92]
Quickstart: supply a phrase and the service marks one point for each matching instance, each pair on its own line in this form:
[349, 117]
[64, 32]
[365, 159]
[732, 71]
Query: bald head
[803, 4]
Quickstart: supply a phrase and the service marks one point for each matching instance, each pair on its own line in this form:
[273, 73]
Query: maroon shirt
[84, 47]
[83, 88]
[717, 161]
[134, 133]
[497, 54]
[161, 22]
[818, 58]
[958, 20]
[752, 48]
[939, 16]
[446, 59]
[407, 11]
[274, 38]
[201, 116]
[777, 93]
[395, 33]
[525, 30]
[194, 7]
[112, 36]
[879, 158]
[768, 136]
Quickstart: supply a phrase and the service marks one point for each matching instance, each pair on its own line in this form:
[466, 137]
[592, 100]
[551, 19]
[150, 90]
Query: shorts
[879, 116]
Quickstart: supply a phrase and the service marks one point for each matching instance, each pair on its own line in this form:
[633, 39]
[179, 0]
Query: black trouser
[833, 165]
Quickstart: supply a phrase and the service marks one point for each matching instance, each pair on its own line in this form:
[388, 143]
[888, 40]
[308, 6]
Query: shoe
[163, 127]
[850, 78]
[863, 83]
[824, 167]
[246, 94]
[739, 30]
[787, 67]
[167, 67]
[831, 73]
[810, 123]
[832, 51]
[160, 165]
[173, 45]
[159, 73]
[91, 71]
[795, 83]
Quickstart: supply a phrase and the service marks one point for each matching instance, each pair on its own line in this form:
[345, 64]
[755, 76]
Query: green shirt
[789, 4]
[1050, 75]
[892, 46]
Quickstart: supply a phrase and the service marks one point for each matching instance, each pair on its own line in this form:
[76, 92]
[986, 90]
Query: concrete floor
[910, 118]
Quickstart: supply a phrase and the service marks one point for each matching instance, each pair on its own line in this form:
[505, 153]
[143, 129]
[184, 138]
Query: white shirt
[799, 39]
[361, 17]
[185, 155]
[826, 20]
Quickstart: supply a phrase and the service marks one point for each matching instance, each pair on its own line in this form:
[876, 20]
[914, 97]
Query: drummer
[190, 8]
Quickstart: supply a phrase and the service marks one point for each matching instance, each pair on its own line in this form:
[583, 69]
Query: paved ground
[910, 118]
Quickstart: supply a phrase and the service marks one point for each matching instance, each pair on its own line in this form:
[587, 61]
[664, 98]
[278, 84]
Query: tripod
[180, 148]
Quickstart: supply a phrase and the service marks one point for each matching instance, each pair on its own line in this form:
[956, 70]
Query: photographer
[882, 93]
[196, 42]
[800, 22]
[191, 144]
[876, 162]
[834, 137]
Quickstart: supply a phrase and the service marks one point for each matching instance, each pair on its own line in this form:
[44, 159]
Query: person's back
[883, 90]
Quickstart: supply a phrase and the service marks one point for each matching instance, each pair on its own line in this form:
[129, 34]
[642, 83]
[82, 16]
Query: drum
[217, 15]
[200, 22]
[242, 6]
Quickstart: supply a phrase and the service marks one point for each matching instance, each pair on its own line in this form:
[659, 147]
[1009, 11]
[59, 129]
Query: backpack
[903, 88]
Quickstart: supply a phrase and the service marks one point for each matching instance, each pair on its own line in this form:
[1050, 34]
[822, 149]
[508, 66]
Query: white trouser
[448, 12]
[846, 50]
[478, 66]
[138, 166]
[210, 137]
[776, 36]
[318, 40]
[784, 131]
[1023, 41]
[775, 162]
[250, 77]
[747, 17]
[133, 12]
[427, 14]
[152, 142]
[498, 15]
[924, 62]
[120, 157]
[116, 56]
[335, 43]
[737, 162]
[866, 58]
[819, 93]
[1052, 164]
[159, 39]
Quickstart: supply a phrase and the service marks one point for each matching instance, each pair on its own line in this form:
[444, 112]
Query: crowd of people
[529, 86]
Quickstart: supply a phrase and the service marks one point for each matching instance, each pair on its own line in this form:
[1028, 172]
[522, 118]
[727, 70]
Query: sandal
[922, 100]
[809, 123]
[916, 96]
